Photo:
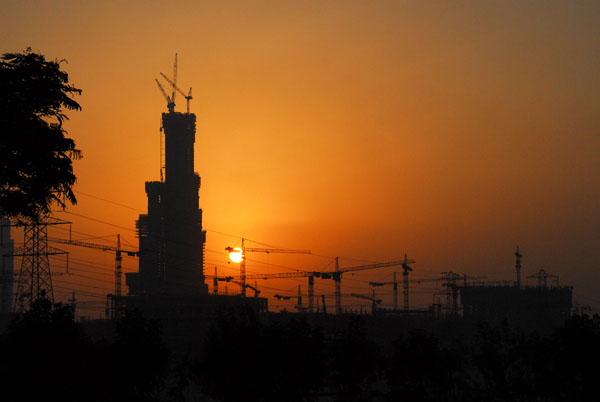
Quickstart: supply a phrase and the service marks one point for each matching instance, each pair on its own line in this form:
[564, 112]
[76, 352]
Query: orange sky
[448, 130]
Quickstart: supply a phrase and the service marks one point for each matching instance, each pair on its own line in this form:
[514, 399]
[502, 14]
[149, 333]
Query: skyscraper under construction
[170, 235]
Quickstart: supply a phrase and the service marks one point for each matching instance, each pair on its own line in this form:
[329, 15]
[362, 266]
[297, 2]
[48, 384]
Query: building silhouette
[171, 238]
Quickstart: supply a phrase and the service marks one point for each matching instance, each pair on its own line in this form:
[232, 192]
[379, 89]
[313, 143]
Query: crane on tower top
[170, 102]
[174, 89]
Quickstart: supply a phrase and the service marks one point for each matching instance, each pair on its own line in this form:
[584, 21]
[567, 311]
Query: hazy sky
[448, 130]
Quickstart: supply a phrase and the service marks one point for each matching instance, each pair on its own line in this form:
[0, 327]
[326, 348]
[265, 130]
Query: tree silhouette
[142, 356]
[35, 154]
[47, 355]
[245, 359]
[421, 370]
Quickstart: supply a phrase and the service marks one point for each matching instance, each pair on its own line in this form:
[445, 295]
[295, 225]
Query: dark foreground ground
[243, 356]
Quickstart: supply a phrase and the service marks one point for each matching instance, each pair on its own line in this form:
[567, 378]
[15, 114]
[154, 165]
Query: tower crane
[395, 283]
[118, 255]
[374, 301]
[379, 284]
[518, 257]
[450, 282]
[116, 310]
[298, 305]
[298, 274]
[170, 102]
[246, 286]
[451, 279]
[311, 275]
[217, 279]
[187, 97]
[542, 278]
[405, 269]
[337, 275]
[239, 255]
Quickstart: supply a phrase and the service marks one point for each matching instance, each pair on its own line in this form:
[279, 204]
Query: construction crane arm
[300, 274]
[174, 79]
[424, 280]
[84, 244]
[275, 250]
[118, 253]
[247, 286]
[378, 265]
[132, 253]
[220, 278]
[186, 96]
[163, 91]
[378, 301]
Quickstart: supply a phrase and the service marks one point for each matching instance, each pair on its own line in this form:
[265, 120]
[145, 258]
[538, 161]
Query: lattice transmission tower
[35, 277]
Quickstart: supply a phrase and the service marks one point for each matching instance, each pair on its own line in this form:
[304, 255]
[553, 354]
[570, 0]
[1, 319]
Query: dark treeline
[47, 355]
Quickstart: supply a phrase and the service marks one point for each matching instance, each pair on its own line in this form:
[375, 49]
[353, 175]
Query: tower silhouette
[170, 234]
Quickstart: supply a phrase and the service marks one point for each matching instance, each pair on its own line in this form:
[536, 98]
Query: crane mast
[174, 83]
[118, 267]
[395, 293]
[338, 286]
[405, 269]
[311, 293]
[518, 257]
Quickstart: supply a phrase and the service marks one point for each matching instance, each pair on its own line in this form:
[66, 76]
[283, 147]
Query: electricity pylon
[35, 278]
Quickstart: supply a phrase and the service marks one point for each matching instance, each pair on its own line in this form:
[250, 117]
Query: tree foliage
[36, 169]
[47, 355]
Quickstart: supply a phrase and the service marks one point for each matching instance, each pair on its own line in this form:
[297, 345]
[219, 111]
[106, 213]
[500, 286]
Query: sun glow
[236, 254]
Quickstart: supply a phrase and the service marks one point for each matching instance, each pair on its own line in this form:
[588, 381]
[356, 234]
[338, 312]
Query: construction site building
[171, 239]
[527, 308]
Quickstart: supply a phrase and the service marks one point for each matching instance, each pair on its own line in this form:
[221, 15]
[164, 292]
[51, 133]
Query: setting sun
[235, 254]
